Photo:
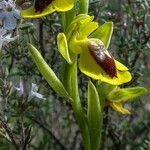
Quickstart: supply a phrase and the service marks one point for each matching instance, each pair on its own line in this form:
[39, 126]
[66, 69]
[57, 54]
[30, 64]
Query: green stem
[70, 81]
[83, 6]
[71, 84]
[67, 17]
[82, 122]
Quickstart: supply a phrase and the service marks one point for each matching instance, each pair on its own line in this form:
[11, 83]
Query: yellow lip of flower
[89, 66]
[55, 5]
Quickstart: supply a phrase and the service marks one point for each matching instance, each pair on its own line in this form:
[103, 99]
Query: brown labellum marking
[41, 4]
[103, 58]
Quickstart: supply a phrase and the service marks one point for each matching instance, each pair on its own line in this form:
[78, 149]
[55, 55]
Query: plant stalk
[70, 81]
[83, 6]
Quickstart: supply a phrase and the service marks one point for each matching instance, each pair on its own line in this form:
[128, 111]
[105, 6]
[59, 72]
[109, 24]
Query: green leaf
[47, 72]
[104, 33]
[126, 94]
[94, 116]
[63, 47]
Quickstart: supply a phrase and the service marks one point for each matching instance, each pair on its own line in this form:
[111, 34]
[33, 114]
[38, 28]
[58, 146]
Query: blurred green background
[50, 124]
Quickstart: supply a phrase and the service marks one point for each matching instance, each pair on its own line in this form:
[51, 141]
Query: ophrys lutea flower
[116, 97]
[86, 38]
[44, 7]
[119, 96]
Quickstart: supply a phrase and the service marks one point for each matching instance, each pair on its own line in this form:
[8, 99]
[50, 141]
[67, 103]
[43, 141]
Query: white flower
[6, 38]
[9, 14]
[20, 90]
[33, 93]
[4, 4]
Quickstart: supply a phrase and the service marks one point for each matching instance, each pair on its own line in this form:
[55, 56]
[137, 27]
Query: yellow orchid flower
[96, 62]
[118, 96]
[44, 7]
[86, 38]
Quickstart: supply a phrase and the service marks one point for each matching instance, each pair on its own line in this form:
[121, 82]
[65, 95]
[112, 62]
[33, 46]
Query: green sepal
[126, 94]
[104, 33]
[47, 72]
[94, 116]
[104, 89]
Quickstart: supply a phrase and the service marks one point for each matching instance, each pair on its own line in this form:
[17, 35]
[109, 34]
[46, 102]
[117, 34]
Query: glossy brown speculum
[41, 4]
[103, 59]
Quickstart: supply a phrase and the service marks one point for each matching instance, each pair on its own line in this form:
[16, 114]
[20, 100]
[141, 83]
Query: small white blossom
[6, 38]
[33, 93]
[20, 90]
[4, 4]
[9, 14]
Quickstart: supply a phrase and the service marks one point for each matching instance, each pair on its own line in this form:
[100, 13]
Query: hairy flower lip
[39, 6]
[103, 58]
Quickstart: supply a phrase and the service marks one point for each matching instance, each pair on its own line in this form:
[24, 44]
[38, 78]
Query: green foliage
[95, 116]
[47, 72]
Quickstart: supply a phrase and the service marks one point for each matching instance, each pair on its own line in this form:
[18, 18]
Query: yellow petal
[63, 47]
[82, 18]
[74, 43]
[87, 29]
[55, 5]
[83, 25]
[120, 66]
[63, 5]
[122, 77]
[89, 67]
[118, 107]
[31, 13]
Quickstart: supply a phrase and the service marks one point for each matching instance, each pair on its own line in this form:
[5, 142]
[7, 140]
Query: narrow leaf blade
[47, 72]
[94, 116]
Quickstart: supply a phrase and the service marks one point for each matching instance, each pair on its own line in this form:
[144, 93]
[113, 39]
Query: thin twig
[9, 132]
[22, 134]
